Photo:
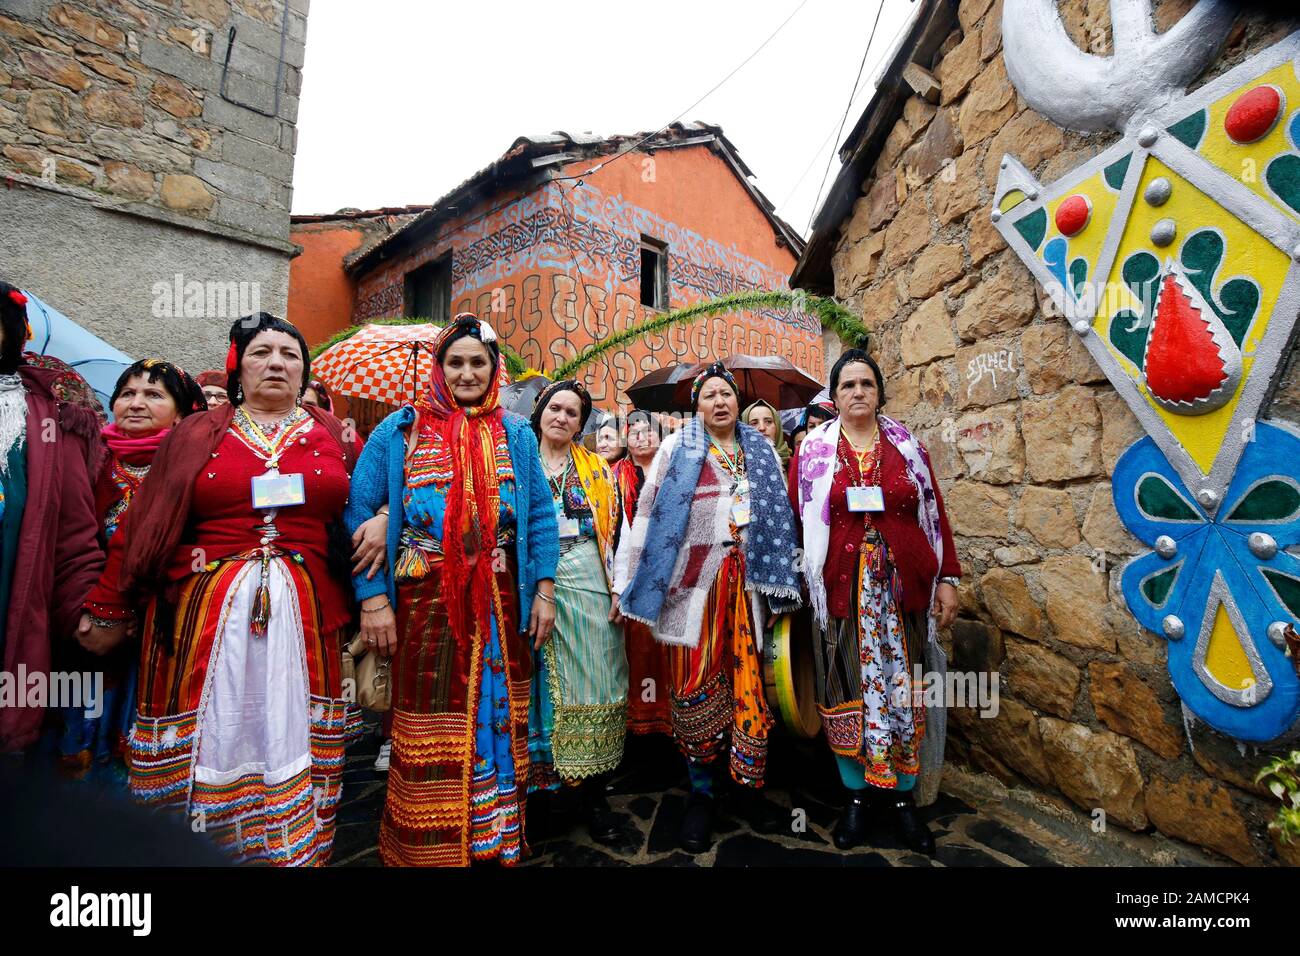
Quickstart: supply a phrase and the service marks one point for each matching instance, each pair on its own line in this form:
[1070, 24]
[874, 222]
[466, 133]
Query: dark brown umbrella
[767, 378]
[656, 391]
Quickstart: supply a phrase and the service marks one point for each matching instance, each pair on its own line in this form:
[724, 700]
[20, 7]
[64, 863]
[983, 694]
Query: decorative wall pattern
[560, 268]
[1175, 255]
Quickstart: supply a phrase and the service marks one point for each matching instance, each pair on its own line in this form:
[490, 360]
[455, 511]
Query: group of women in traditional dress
[536, 604]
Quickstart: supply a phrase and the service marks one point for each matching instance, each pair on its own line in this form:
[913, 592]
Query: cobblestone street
[972, 826]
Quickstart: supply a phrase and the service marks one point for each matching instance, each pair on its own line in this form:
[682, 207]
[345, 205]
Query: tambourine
[789, 677]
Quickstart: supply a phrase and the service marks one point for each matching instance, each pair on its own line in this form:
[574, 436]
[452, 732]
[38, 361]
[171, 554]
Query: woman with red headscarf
[213, 383]
[470, 571]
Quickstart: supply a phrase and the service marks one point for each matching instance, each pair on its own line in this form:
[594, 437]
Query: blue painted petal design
[1210, 548]
[1144, 459]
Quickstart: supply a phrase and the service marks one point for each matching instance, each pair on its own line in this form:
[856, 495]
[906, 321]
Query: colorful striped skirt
[460, 732]
[244, 734]
[578, 716]
[718, 702]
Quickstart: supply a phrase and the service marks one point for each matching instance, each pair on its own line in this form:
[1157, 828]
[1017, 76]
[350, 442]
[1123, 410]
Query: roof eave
[931, 24]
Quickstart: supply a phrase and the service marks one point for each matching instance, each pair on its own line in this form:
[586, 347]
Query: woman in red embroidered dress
[648, 698]
[882, 576]
[150, 397]
[241, 719]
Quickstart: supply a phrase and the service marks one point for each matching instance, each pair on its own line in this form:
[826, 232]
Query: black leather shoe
[602, 822]
[915, 834]
[851, 828]
[696, 834]
[761, 814]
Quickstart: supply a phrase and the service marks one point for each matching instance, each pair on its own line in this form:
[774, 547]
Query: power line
[847, 106]
[645, 139]
[817, 152]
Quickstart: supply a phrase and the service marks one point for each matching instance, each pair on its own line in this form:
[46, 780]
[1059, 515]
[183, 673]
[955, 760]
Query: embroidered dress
[578, 716]
[241, 721]
[649, 702]
[864, 661]
[96, 747]
[460, 708]
[718, 703]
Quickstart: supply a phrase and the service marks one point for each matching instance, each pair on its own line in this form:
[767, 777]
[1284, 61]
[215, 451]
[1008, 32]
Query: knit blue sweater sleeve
[369, 491]
[543, 529]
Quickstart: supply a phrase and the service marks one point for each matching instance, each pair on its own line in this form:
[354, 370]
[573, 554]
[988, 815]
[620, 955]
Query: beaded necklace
[269, 448]
[268, 442]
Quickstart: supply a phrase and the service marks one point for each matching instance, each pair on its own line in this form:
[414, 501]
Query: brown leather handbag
[368, 672]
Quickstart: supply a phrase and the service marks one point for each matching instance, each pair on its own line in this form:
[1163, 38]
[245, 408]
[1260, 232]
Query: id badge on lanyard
[569, 527]
[866, 498]
[274, 490]
[740, 504]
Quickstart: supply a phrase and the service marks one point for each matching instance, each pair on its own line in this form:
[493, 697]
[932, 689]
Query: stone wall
[1024, 432]
[125, 99]
[125, 166]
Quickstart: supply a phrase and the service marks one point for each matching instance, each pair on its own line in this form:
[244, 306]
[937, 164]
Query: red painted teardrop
[1253, 114]
[1183, 362]
[1073, 214]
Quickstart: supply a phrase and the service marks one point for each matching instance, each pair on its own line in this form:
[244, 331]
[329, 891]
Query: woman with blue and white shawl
[712, 543]
[882, 574]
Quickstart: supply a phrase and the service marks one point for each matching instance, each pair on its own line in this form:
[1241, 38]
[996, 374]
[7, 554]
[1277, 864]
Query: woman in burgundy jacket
[49, 551]
[882, 574]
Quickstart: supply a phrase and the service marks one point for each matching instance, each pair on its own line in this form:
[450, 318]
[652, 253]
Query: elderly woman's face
[718, 405]
[857, 395]
[467, 366]
[762, 419]
[607, 443]
[216, 395]
[143, 407]
[561, 417]
[271, 371]
[642, 440]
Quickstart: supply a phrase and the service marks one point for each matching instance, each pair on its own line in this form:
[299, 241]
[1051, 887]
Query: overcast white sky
[403, 99]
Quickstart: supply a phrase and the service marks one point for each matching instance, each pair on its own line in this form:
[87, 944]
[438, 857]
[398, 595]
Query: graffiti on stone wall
[557, 272]
[1175, 256]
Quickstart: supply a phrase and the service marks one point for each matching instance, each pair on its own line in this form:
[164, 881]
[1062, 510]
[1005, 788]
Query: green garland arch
[833, 316]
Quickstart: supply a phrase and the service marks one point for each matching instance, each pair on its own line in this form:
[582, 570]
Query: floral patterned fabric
[864, 661]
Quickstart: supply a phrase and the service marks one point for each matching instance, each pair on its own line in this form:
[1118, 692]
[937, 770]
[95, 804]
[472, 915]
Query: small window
[654, 273]
[428, 291]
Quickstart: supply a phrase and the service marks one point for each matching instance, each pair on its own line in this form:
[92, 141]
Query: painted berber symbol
[1175, 256]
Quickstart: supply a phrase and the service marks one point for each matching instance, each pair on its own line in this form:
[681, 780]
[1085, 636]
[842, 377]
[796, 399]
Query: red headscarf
[467, 439]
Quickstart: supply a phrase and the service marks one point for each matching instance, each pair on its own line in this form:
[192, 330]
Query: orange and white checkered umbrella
[382, 363]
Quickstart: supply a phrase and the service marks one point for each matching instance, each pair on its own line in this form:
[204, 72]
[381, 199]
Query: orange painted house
[321, 293]
[562, 241]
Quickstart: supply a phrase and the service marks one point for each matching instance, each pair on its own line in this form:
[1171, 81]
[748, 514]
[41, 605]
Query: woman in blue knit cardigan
[469, 572]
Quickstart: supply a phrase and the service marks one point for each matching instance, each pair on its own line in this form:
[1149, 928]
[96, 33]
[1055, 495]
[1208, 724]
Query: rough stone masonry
[126, 164]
